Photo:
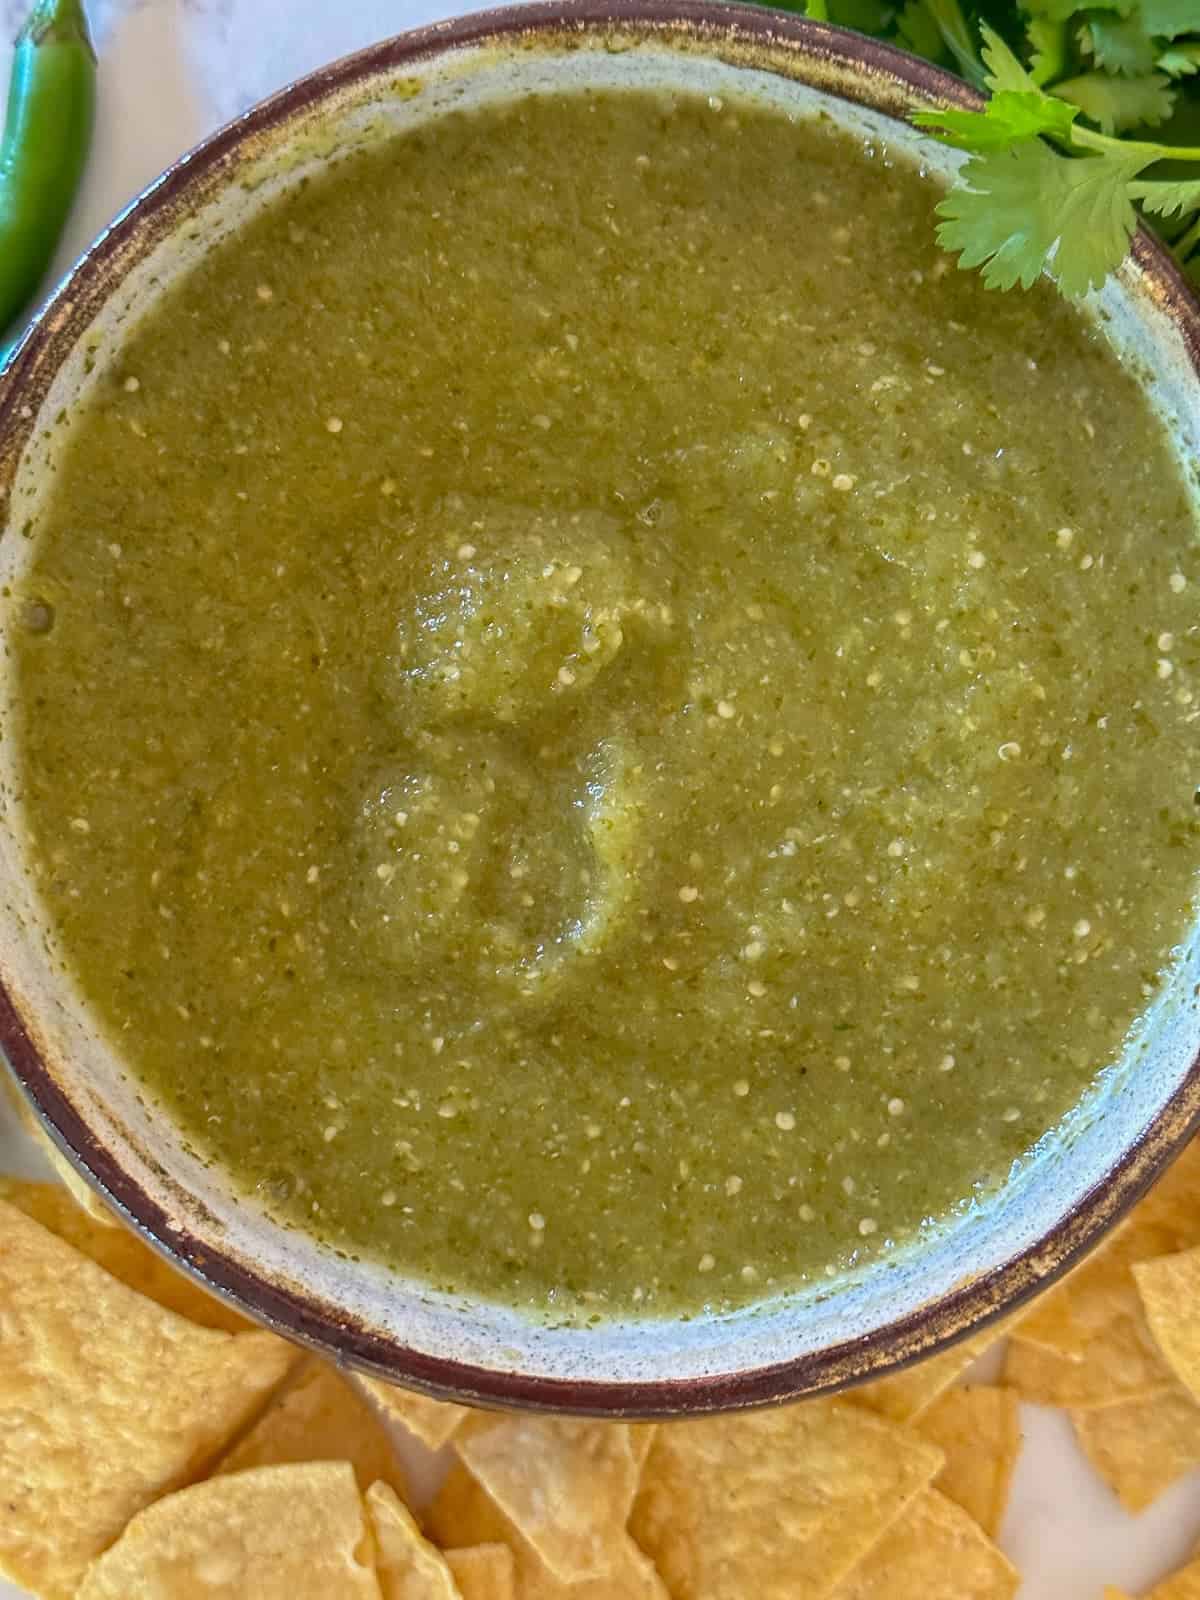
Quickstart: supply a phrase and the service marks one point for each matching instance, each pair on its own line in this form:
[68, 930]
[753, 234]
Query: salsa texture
[582, 734]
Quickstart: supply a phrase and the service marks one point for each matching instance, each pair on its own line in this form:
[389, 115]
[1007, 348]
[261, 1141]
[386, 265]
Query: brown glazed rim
[855, 68]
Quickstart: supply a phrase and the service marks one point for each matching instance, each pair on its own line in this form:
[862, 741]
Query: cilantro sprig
[1092, 124]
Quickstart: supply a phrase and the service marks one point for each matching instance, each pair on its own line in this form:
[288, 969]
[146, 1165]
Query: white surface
[171, 71]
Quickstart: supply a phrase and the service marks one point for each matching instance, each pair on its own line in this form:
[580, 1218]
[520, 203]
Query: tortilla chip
[464, 1513]
[1056, 1380]
[277, 1533]
[775, 1504]
[475, 1423]
[432, 1421]
[1140, 1447]
[1174, 1201]
[108, 1402]
[934, 1552]
[567, 1485]
[1094, 1319]
[1111, 1346]
[463, 1509]
[409, 1567]
[483, 1571]
[14, 1096]
[1181, 1585]
[83, 1194]
[319, 1417]
[641, 1437]
[1051, 1326]
[979, 1431]
[80, 1190]
[1115, 1594]
[1170, 1291]
[119, 1250]
[906, 1395]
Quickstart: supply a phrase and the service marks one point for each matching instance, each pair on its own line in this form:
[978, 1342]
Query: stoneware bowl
[893, 1312]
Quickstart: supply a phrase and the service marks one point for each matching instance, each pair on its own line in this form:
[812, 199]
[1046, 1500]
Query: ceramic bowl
[890, 1312]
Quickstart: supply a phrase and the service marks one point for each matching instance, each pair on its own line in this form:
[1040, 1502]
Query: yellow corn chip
[934, 1552]
[119, 1250]
[775, 1504]
[462, 1513]
[1094, 1318]
[1051, 1326]
[409, 1567]
[979, 1431]
[277, 1533]
[81, 1191]
[904, 1396]
[1114, 1351]
[14, 1096]
[1181, 1585]
[1056, 1380]
[1139, 1447]
[1170, 1291]
[641, 1437]
[473, 1424]
[83, 1194]
[1174, 1201]
[1115, 1594]
[483, 1571]
[567, 1485]
[319, 1417]
[463, 1509]
[432, 1421]
[108, 1402]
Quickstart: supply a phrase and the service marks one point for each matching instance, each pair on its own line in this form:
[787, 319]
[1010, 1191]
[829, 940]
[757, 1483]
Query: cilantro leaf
[1010, 117]
[1120, 103]
[1004, 70]
[1121, 44]
[1168, 199]
[1066, 10]
[1020, 212]
[1047, 48]
[1181, 60]
[1167, 19]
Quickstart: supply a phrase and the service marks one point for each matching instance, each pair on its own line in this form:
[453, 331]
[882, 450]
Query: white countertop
[171, 71]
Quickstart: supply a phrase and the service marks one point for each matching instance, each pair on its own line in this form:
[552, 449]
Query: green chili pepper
[44, 147]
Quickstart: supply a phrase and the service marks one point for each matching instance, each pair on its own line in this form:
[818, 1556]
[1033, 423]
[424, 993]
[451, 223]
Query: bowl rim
[879, 72]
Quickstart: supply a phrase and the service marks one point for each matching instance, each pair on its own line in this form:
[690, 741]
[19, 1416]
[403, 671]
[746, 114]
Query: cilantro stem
[1187, 242]
[1134, 149]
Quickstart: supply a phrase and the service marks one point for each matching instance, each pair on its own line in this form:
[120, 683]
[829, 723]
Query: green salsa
[583, 735]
